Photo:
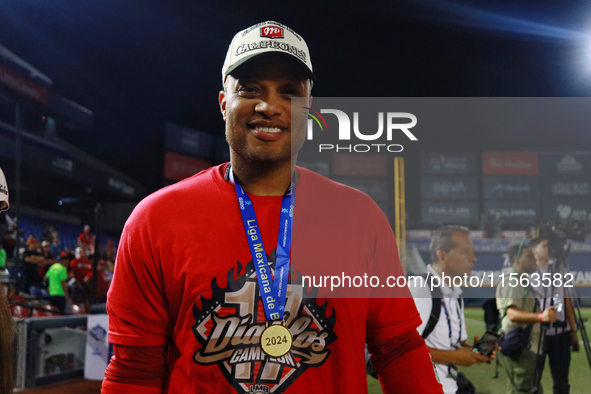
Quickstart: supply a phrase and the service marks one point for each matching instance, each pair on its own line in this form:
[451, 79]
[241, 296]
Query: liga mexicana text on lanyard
[276, 340]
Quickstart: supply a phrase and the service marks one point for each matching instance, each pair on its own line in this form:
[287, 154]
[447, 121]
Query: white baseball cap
[263, 38]
[4, 204]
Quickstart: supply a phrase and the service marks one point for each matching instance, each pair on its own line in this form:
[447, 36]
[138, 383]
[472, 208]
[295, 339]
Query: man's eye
[247, 90]
[292, 92]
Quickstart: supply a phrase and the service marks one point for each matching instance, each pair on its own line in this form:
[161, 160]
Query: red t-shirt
[87, 239]
[184, 277]
[81, 268]
[102, 283]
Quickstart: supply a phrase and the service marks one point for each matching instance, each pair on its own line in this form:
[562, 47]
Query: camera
[558, 232]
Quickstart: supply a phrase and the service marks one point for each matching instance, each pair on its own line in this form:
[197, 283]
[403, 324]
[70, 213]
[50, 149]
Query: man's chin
[266, 159]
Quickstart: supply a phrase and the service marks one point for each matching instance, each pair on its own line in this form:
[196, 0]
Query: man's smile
[267, 131]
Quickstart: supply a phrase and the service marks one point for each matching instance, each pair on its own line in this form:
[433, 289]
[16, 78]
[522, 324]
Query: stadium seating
[19, 311]
[78, 309]
[19, 299]
[48, 308]
[67, 232]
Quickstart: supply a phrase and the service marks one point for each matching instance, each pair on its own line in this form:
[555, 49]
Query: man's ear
[222, 101]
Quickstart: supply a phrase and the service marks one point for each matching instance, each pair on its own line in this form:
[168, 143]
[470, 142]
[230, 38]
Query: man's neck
[436, 267]
[263, 180]
[542, 263]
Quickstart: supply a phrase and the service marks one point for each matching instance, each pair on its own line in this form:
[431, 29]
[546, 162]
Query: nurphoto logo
[390, 126]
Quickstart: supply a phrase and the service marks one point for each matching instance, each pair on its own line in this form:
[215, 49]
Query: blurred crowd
[54, 273]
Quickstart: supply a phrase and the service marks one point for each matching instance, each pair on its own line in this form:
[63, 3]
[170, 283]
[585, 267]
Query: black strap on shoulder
[436, 296]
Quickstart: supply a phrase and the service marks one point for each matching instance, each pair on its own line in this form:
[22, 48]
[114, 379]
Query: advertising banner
[49, 157]
[344, 164]
[376, 188]
[449, 187]
[449, 212]
[448, 162]
[511, 187]
[178, 167]
[578, 209]
[560, 186]
[510, 163]
[512, 211]
[98, 348]
[514, 235]
[37, 152]
[107, 180]
[23, 85]
[190, 141]
[565, 163]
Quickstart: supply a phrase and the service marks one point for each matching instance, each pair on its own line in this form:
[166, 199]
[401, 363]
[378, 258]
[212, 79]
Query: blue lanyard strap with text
[273, 292]
[449, 320]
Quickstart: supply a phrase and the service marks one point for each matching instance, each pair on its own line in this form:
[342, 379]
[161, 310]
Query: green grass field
[482, 375]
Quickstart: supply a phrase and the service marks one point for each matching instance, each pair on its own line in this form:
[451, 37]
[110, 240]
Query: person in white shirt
[452, 254]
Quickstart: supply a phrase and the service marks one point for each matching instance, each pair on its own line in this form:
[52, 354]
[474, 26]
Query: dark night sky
[138, 64]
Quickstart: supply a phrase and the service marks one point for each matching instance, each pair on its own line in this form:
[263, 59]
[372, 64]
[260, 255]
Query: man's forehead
[272, 65]
[462, 240]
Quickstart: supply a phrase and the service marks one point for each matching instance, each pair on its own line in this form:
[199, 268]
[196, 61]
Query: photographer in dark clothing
[560, 336]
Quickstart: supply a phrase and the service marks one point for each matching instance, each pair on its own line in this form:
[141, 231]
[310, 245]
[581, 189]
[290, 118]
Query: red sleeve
[136, 304]
[136, 369]
[392, 310]
[404, 365]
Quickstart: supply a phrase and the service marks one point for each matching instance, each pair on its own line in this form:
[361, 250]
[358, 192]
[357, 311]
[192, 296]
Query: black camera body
[558, 232]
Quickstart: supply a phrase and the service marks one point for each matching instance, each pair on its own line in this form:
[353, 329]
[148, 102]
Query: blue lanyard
[273, 292]
[449, 321]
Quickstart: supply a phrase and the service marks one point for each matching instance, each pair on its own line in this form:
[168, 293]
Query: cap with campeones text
[263, 38]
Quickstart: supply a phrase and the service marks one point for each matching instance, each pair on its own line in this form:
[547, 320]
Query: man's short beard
[255, 159]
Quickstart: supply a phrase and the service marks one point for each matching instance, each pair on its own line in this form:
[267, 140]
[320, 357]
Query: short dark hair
[514, 250]
[443, 239]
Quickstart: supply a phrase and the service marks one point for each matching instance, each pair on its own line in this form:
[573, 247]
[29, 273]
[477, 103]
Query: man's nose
[270, 105]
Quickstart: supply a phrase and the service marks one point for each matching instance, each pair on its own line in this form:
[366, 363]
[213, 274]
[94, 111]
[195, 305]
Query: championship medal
[276, 340]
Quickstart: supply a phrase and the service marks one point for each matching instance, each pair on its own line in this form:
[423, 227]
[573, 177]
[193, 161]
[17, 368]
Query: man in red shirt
[103, 281]
[190, 304]
[81, 267]
[86, 239]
